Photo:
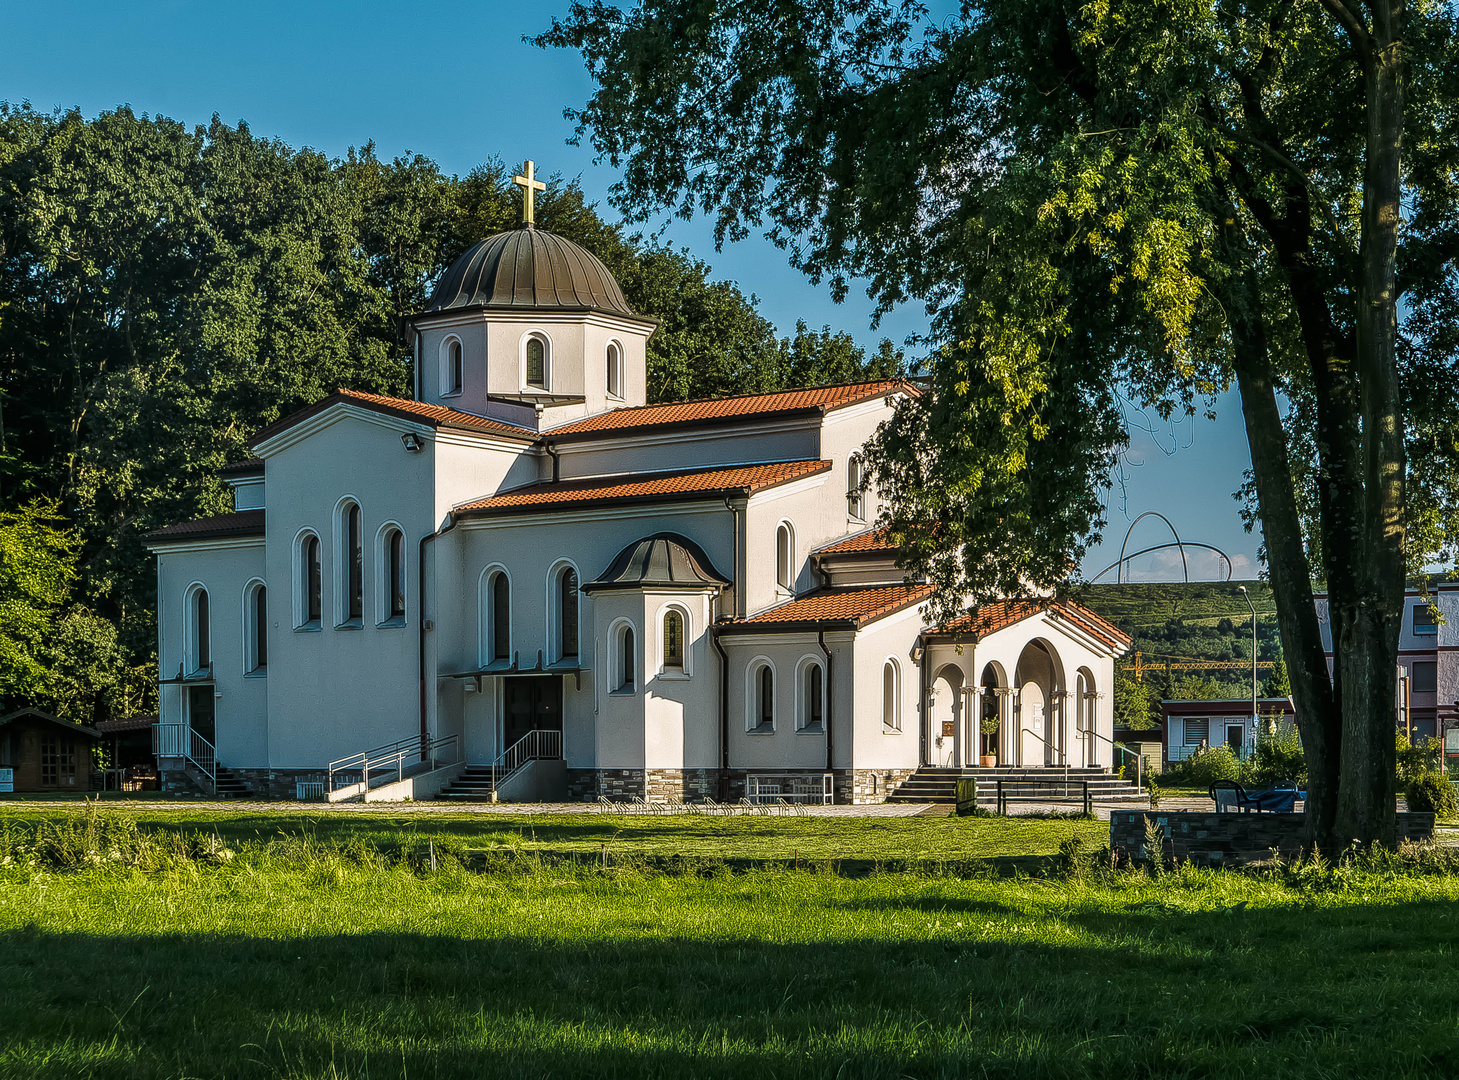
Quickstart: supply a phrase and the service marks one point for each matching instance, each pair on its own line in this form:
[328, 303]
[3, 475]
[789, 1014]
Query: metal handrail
[536, 745]
[192, 747]
[1065, 763]
[1139, 759]
[430, 748]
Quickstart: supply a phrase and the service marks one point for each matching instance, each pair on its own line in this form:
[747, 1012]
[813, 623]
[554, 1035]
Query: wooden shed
[40, 752]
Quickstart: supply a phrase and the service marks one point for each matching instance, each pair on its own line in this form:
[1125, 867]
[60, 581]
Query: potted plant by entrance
[989, 728]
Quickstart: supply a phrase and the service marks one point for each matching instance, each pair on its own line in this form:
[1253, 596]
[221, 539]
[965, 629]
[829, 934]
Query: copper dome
[528, 268]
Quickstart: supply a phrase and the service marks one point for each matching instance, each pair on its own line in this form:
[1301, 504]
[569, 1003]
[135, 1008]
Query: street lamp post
[1247, 597]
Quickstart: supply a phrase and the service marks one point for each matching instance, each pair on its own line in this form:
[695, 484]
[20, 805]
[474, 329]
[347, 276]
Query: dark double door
[531, 704]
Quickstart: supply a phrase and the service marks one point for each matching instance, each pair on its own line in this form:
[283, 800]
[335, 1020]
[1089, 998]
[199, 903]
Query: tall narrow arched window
[454, 378]
[765, 699]
[615, 369]
[784, 547]
[813, 698]
[311, 578]
[501, 618]
[855, 502]
[355, 566]
[395, 572]
[674, 641]
[891, 718]
[627, 661]
[202, 640]
[567, 612]
[255, 629]
[537, 362]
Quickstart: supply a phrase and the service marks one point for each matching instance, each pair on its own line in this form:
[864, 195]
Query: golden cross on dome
[530, 185]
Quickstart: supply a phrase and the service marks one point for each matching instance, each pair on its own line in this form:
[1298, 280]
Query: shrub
[1217, 763]
[1416, 759]
[1278, 756]
[1431, 793]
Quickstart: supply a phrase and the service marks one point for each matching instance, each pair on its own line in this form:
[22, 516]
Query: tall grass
[306, 957]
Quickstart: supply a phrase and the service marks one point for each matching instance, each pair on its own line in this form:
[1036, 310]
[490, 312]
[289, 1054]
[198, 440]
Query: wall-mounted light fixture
[413, 442]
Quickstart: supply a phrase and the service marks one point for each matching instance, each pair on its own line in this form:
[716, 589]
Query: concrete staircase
[932, 784]
[229, 785]
[473, 785]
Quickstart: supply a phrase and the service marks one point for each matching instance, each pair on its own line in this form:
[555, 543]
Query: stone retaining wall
[1227, 839]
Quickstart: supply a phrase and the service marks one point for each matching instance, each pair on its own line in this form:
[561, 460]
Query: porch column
[1058, 730]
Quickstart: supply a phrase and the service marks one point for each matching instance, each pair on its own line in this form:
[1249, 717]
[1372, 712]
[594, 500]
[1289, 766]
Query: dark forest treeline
[166, 291]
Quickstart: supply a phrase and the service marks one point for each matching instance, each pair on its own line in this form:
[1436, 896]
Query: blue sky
[456, 82]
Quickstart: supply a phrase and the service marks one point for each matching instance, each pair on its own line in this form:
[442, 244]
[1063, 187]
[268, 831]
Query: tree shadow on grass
[1008, 995]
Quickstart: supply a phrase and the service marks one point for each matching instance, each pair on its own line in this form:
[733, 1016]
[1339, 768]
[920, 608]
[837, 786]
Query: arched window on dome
[615, 369]
[454, 380]
[537, 362]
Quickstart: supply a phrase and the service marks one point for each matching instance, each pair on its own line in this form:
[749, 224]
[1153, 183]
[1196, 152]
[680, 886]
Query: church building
[526, 582]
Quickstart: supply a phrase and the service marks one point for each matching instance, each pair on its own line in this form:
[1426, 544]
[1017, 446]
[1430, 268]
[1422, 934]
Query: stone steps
[939, 785]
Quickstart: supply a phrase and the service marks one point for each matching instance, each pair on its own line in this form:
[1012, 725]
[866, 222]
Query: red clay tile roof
[421, 412]
[990, 618]
[821, 399]
[242, 523]
[854, 606]
[874, 540]
[644, 487]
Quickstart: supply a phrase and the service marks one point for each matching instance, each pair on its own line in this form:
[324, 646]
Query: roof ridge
[746, 397]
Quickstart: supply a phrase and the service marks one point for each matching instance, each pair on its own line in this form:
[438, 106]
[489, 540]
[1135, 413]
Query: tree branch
[1352, 22]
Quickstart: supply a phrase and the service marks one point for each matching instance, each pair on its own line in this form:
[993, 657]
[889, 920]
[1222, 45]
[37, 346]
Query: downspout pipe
[420, 618]
[830, 714]
[723, 656]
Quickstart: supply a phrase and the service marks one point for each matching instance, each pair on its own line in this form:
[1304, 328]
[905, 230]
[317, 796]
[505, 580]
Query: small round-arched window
[537, 363]
[453, 367]
[615, 370]
[674, 640]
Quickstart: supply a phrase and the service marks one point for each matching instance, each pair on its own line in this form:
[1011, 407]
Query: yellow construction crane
[1138, 667]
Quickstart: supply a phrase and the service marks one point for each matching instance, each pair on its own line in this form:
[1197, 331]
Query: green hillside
[1199, 621]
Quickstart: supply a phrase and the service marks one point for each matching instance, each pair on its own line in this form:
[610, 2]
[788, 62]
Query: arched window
[765, 699]
[394, 577]
[615, 369]
[311, 584]
[354, 612]
[501, 618]
[784, 551]
[627, 662]
[855, 503]
[537, 362]
[674, 641]
[891, 706]
[453, 380]
[255, 629]
[201, 643]
[812, 698]
[567, 613]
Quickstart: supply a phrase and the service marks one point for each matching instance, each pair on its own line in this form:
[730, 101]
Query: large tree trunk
[1319, 719]
[1366, 802]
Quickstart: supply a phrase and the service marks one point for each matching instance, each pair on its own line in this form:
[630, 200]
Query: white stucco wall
[225, 568]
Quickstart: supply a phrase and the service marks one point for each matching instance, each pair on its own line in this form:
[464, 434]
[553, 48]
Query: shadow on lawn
[423, 1005]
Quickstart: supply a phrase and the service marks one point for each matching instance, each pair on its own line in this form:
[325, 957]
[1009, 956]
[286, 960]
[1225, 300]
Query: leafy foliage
[37, 565]
[1104, 205]
[1431, 792]
[1214, 763]
[165, 292]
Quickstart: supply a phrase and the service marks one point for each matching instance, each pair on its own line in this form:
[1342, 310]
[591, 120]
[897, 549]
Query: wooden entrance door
[531, 704]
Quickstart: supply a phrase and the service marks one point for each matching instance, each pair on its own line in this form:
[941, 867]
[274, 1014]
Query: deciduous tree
[1102, 205]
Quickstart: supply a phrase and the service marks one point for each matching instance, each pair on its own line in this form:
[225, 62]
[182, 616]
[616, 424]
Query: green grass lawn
[852, 840]
[311, 955]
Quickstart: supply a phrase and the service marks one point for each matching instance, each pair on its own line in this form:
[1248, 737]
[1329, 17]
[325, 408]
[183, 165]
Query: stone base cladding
[681, 785]
[869, 785]
[280, 783]
[1227, 839]
[262, 783]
